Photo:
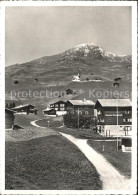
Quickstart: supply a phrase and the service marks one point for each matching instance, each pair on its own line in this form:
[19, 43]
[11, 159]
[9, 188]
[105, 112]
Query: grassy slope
[48, 163]
[53, 71]
[54, 75]
[57, 125]
[87, 90]
[119, 159]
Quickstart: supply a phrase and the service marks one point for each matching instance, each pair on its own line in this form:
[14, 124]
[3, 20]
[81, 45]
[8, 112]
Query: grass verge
[57, 124]
[120, 160]
[48, 163]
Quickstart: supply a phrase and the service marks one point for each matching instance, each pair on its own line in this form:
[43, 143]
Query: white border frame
[133, 4]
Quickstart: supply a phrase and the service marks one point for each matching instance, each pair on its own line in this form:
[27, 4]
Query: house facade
[114, 117]
[9, 119]
[83, 107]
[59, 107]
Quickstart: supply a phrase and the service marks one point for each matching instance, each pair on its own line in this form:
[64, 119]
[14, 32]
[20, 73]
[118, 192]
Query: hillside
[54, 73]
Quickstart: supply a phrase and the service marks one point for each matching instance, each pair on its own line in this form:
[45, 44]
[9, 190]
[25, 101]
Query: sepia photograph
[69, 86]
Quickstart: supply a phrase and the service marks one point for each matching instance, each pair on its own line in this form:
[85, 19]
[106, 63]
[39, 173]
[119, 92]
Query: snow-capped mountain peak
[84, 45]
[92, 51]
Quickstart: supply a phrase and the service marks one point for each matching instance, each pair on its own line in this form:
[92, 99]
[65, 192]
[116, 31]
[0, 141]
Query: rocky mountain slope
[56, 72]
[86, 52]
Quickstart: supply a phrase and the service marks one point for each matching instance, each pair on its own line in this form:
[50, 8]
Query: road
[26, 130]
[111, 178]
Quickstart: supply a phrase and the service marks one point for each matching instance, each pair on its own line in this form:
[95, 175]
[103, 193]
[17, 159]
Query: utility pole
[78, 117]
[117, 127]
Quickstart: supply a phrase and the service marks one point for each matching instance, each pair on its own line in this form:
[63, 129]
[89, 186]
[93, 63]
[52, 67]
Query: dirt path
[34, 124]
[111, 178]
[29, 130]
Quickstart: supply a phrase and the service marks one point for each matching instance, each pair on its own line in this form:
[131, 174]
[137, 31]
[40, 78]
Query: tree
[13, 104]
[7, 106]
[16, 82]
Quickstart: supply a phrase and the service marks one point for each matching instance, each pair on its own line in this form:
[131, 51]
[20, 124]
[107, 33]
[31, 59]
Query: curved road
[27, 129]
[111, 178]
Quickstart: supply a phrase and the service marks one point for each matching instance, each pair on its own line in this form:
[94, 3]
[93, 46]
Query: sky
[34, 32]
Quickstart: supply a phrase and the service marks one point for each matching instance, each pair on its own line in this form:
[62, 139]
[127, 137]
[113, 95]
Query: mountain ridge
[92, 62]
[90, 50]
[84, 52]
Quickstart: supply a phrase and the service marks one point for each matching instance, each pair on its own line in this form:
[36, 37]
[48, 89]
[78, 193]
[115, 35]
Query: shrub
[16, 82]
[72, 120]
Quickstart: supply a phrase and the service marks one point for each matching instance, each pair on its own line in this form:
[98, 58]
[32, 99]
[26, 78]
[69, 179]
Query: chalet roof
[22, 106]
[48, 109]
[69, 90]
[60, 101]
[115, 102]
[9, 110]
[82, 102]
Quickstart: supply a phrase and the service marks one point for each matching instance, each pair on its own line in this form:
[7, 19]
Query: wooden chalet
[9, 119]
[116, 84]
[25, 109]
[69, 92]
[84, 107]
[59, 107]
[114, 117]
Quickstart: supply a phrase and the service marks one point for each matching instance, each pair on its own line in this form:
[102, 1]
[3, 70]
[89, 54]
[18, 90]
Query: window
[127, 111]
[102, 120]
[98, 112]
[62, 105]
[127, 128]
[127, 120]
[52, 105]
[56, 105]
[86, 112]
[62, 109]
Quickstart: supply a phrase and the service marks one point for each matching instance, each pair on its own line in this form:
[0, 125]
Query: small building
[117, 79]
[84, 107]
[9, 119]
[76, 78]
[116, 84]
[59, 107]
[126, 143]
[25, 109]
[49, 111]
[16, 82]
[69, 92]
[114, 117]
